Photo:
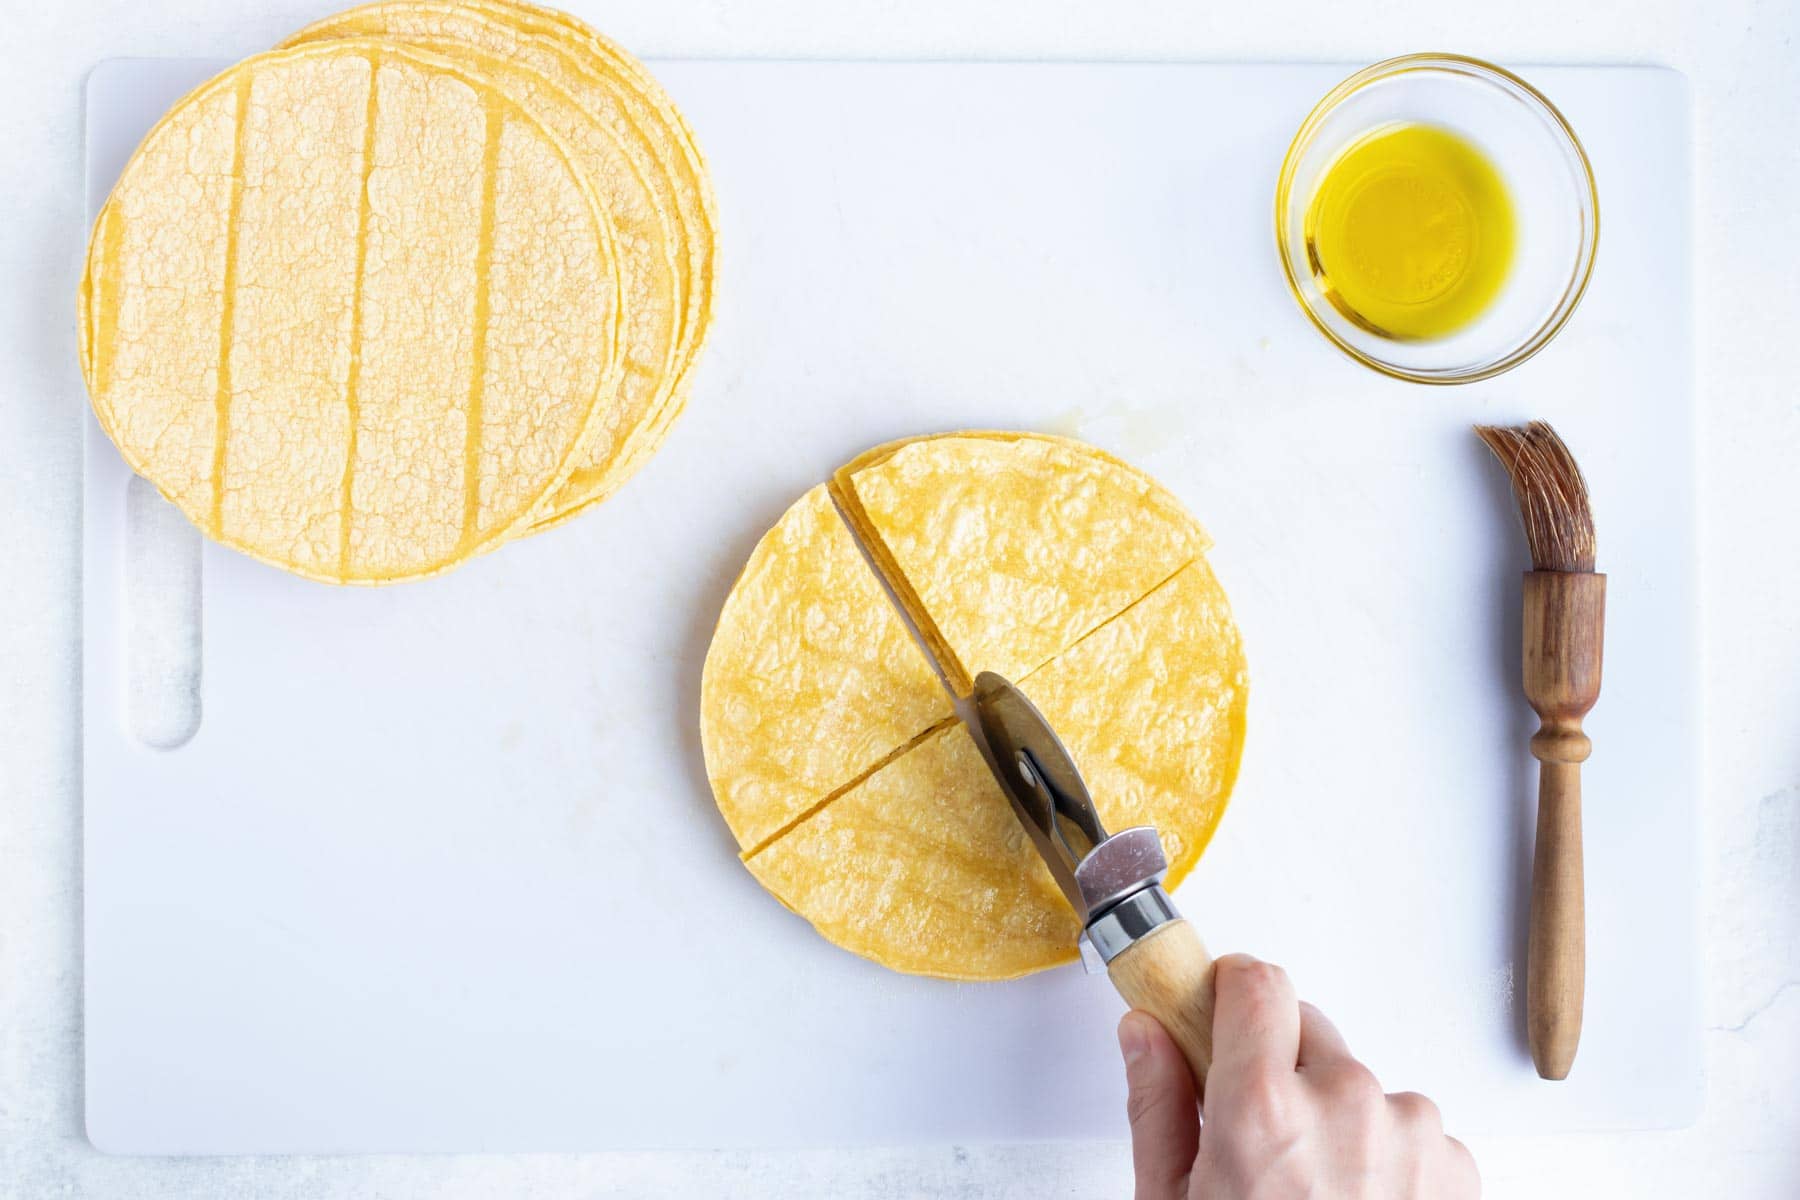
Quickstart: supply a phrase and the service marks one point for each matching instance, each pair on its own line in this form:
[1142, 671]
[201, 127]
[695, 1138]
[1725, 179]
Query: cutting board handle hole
[162, 619]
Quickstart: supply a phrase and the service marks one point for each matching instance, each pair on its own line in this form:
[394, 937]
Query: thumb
[1164, 1114]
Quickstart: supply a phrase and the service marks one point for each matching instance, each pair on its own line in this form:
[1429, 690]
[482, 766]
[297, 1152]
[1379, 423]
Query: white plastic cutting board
[440, 869]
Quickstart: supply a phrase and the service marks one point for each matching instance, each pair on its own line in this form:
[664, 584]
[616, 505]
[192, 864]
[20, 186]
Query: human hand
[1288, 1112]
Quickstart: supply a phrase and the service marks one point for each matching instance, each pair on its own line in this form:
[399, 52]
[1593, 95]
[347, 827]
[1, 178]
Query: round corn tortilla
[353, 309]
[883, 827]
[650, 147]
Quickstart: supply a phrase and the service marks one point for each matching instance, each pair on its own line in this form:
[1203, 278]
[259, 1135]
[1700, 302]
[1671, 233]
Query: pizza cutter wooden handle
[1168, 974]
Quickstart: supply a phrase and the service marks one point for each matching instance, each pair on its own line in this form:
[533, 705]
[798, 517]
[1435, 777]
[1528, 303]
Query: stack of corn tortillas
[855, 793]
[426, 278]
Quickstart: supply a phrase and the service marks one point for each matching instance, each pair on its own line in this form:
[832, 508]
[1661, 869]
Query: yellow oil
[1410, 232]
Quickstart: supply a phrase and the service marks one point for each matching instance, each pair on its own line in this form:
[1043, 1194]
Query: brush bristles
[1553, 499]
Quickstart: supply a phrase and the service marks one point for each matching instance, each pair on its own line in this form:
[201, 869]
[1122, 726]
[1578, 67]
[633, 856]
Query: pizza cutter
[1130, 927]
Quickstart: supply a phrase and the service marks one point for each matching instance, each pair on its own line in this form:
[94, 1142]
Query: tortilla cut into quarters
[351, 308]
[811, 679]
[1006, 548]
[924, 868]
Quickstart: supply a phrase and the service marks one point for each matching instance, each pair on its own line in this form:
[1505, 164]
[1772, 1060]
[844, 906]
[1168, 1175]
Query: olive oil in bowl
[1436, 218]
[1410, 231]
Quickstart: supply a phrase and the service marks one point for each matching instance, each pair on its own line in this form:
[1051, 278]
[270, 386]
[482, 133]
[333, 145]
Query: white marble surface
[1745, 68]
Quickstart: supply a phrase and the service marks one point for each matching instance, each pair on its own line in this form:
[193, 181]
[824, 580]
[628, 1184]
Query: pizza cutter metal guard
[1114, 882]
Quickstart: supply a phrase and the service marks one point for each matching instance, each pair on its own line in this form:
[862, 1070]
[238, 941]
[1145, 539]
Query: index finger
[1256, 1022]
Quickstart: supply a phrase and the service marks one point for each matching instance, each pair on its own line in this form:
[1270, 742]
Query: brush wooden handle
[1556, 963]
[1565, 615]
[1168, 974]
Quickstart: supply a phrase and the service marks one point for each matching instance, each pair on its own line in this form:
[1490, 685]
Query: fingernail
[1132, 1042]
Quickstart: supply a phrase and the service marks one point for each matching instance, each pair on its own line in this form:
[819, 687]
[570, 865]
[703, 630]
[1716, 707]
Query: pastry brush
[1564, 610]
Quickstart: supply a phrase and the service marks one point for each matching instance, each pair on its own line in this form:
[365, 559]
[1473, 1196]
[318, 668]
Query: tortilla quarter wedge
[1007, 548]
[811, 680]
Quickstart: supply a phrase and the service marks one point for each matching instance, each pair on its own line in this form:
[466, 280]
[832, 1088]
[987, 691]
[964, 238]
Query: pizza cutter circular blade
[1113, 881]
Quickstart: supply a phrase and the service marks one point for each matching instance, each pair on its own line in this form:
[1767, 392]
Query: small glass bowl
[1555, 206]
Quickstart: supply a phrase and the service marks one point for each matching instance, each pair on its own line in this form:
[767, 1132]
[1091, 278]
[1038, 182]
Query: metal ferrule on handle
[1131, 919]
